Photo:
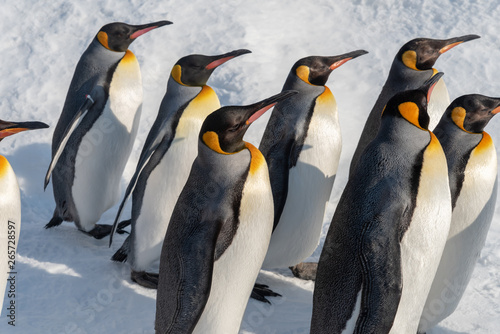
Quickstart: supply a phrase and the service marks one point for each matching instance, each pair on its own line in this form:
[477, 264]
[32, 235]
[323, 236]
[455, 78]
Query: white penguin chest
[235, 272]
[470, 222]
[439, 101]
[10, 219]
[425, 238]
[105, 148]
[167, 180]
[310, 183]
[479, 181]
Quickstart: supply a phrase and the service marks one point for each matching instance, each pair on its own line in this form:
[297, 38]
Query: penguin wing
[279, 167]
[96, 95]
[164, 135]
[186, 276]
[381, 267]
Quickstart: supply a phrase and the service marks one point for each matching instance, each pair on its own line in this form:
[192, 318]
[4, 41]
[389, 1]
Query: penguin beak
[338, 61]
[142, 29]
[221, 59]
[428, 86]
[10, 128]
[452, 42]
[258, 109]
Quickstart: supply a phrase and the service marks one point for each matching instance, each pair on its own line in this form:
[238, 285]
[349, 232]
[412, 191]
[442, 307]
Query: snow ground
[65, 282]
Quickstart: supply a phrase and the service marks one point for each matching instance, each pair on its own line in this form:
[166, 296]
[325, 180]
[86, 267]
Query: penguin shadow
[290, 313]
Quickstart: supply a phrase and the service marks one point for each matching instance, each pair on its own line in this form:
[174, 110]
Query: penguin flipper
[97, 93]
[185, 280]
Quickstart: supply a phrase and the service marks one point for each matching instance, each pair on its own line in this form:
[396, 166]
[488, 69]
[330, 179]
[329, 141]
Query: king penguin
[411, 67]
[302, 144]
[220, 229]
[389, 229]
[10, 204]
[97, 128]
[472, 163]
[166, 159]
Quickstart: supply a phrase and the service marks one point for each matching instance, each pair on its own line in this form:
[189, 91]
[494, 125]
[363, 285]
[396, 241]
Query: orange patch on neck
[4, 166]
[485, 144]
[257, 160]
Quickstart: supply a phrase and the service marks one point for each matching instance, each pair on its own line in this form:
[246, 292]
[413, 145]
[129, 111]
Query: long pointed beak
[258, 109]
[16, 127]
[221, 59]
[452, 42]
[144, 28]
[337, 61]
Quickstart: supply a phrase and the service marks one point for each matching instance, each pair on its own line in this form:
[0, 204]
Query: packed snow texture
[66, 282]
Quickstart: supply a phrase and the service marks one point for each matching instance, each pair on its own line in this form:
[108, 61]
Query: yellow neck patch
[458, 117]
[326, 98]
[4, 166]
[211, 139]
[103, 39]
[485, 144]
[257, 160]
[410, 112]
[176, 74]
[303, 73]
[410, 59]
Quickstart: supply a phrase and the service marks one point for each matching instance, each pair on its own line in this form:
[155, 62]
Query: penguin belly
[309, 187]
[10, 220]
[470, 223]
[235, 272]
[163, 188]
[439, 101]
[425, 238]
[106, 147]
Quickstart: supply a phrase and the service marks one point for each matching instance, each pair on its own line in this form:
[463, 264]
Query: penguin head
[471, 113]
[118, 36]
[412, 104]
[420, 54]
[10, 128]
[315, 70]
[223, 130]
[195, 70]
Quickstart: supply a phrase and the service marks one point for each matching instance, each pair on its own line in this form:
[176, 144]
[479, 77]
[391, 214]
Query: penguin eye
[234, 128]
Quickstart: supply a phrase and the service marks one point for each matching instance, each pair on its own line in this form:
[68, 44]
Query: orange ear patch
[103, 39]
[410, 112]
[410, 59]
[458, 117]
[303, 73]
[211, 139]
[176, 74]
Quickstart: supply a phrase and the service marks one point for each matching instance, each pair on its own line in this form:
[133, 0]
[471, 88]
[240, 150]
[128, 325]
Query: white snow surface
[65, 281]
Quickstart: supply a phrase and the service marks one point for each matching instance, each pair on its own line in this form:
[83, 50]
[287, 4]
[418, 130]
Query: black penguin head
[421, 53]
[471, 113]
[118, 36]
[195, 70]
[315, 70]
[412, 104]
[10, 128]
[223, 130]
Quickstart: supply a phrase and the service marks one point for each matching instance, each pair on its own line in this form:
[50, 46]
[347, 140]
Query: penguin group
[214, 209]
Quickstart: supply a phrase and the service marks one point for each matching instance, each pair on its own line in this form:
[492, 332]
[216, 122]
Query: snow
[66, 282]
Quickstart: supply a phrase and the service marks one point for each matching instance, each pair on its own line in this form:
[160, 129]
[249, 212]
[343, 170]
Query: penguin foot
[261, 291]
[122, 225]
[99, 231]
[55, 221]
[305, 270]
[147, 280]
